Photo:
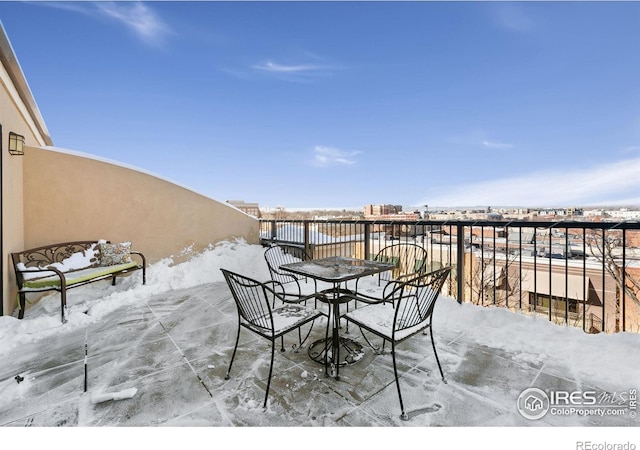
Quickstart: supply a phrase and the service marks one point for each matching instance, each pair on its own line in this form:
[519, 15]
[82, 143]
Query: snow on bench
[67, 265]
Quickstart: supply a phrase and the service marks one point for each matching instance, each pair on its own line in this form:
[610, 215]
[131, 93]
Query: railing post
[624, 278]
[367, 239]
[274, 230]
[307, 246]
[460, 261]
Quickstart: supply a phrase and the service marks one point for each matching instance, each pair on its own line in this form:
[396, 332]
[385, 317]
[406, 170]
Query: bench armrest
[44, 270]
[144, 260]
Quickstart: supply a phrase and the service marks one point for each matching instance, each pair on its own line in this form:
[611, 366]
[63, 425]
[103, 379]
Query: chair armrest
[390, 293]
[286, 275]
[279, 292]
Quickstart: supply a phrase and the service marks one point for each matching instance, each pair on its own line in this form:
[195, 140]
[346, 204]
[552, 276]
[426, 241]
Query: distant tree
[494, 279]
[606, 247]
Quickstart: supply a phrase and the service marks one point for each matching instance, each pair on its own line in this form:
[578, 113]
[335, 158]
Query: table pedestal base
[350, 351]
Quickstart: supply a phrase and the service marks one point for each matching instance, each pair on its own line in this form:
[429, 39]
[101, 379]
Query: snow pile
[87, 304]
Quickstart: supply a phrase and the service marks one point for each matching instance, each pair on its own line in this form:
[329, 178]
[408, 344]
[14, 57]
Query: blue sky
[343, 104]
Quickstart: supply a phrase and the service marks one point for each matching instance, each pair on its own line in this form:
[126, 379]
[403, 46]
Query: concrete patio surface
[174, 349]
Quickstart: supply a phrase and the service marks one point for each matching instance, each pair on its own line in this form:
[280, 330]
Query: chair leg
[302, 341]
[266, 394]
[403, 415]
[335, 342]
[23, 304]
[347, 306]
[234, 354]
[433, 344]
[376, 350]
[327, 344]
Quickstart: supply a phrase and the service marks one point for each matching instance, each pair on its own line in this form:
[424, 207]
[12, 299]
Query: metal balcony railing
[583, 274]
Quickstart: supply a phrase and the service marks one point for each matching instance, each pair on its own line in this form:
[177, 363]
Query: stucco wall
[12, 118]
[70, 197]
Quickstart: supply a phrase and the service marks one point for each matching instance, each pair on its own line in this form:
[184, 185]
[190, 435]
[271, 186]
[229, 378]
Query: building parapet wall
[70, 197]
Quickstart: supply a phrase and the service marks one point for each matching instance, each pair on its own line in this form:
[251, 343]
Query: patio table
[336, 270]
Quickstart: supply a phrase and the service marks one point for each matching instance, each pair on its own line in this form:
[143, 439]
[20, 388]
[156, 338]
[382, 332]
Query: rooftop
[171, 342]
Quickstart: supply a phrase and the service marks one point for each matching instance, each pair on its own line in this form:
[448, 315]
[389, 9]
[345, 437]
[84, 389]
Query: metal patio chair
[404, 312]
[279, 254]
[410, 260]
[293, 284]
[255, 313]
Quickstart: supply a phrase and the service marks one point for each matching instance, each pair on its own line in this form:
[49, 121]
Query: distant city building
[623, 213]
[382, 210]
[389, 212]
[253, 209]
[563, 212]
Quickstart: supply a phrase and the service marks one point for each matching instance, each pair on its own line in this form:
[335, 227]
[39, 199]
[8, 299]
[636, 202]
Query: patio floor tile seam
[188, 363]
[29, 418]
[216, 402]
[477, 396]
[98, 348]
[217, 302]
[170, 330]
[456, 339]
[169, 336]
[588, 385]
[40, 372]
[70, 397]
[142, 377]
[542, 371]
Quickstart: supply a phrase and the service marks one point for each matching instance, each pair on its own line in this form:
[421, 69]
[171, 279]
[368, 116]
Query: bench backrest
[65, 257]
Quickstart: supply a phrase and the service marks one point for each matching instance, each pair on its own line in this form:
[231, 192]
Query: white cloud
[496, 145]
[615, 183]
[298, 72]
[135, 15]
[281, 68]
[138, 17]
[329, 156]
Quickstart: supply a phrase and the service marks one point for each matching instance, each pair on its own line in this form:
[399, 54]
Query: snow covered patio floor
[174, 349]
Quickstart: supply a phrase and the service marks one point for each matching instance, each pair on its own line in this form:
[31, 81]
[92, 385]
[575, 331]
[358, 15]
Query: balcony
[510, 264]
[172, 339]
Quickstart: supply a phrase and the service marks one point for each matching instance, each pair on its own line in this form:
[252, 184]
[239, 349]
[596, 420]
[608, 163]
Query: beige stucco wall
[53, 197]
[13, 117]
[71, 197]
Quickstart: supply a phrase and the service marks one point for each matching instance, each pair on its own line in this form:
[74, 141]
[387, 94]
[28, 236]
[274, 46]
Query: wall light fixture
[16, 144]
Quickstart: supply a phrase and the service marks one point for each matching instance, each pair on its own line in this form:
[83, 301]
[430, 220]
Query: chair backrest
[407, 258]
[418, 298]
[280, 254]
[251, 299]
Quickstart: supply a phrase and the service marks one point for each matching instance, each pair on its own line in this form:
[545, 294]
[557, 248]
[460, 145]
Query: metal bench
[58, 267]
